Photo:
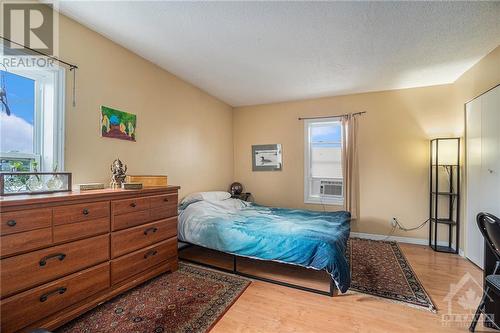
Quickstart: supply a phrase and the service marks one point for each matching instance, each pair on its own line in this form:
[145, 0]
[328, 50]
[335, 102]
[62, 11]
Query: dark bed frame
[235, 257]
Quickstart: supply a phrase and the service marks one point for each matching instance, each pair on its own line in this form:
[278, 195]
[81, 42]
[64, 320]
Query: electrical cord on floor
[398, 225]
[402, 227]
[389, 235]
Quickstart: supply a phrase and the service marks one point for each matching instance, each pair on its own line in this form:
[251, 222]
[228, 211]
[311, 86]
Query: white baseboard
[409, 240]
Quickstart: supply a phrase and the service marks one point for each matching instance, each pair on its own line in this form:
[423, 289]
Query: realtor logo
[30, 24]
[462, 301]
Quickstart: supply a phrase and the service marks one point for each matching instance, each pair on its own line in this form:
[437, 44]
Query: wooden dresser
[63, 254]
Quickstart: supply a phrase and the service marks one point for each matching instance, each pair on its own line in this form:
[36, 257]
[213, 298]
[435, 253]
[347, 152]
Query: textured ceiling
[259, 52]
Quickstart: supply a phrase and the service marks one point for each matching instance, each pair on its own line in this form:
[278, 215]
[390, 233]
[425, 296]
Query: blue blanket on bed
[306, 238]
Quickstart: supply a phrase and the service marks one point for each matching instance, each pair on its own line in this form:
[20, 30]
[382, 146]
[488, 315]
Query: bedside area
[63, 254]
[245, 196]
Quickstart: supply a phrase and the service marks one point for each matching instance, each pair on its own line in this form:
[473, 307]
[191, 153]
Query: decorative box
[131, 186]
[148, 181]
[91, 186]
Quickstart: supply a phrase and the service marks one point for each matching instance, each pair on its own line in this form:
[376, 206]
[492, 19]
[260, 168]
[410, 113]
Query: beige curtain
[350, 165]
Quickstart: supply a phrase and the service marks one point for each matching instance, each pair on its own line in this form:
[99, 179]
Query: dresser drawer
[138, 261]
[129, 205]
[130, 220]
[129, 240]
[163, 206]
[25, 241]
[25, 220]
[81, 212]
[23, 309]
[72, 231]
[162, 212]
[162, 200]
[34, 268]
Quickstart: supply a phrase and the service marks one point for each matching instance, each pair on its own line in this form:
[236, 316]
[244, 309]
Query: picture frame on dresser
[63, 255]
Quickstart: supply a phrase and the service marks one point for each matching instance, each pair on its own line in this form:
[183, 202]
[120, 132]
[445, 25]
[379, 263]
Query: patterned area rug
[191, 299]
[379, 268]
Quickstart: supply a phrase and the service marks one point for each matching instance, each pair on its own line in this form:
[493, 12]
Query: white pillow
[215, 195]
[209, 196]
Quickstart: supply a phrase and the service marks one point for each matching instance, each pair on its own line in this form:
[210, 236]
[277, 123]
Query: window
[323, 182]
[34, 130]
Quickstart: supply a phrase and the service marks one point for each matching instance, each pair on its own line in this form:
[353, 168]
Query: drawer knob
[85, 211]
[133, 204]
[166, 199]
[148, 230]
[11, 223]
[58, 291]
[150, 253]
[59, 256]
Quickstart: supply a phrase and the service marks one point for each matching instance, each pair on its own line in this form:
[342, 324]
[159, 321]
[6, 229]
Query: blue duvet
[306, 238]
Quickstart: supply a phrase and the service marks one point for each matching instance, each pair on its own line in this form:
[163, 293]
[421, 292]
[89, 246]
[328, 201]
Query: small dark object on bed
[242, 196]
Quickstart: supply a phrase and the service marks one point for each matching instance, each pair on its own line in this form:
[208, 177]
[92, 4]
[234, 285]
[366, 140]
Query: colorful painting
[118, 124]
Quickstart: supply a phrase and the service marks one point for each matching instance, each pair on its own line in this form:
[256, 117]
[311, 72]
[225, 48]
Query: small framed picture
[117, 124]
[266, 157]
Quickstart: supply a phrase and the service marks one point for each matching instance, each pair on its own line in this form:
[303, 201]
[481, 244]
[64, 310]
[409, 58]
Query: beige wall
[181, 131]
[481, 77]
[191, 136]
[393, 146]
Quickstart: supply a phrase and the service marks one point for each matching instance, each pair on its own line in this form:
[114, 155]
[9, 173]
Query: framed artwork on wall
[117, 124]
[266, 157]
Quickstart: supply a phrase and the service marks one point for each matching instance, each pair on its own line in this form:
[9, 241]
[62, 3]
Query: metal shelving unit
[444, 198]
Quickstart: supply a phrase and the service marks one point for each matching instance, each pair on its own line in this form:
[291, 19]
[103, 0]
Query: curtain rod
[71, 66]
[334, 116]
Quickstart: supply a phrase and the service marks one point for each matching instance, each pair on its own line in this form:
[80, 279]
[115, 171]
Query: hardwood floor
[265, 307]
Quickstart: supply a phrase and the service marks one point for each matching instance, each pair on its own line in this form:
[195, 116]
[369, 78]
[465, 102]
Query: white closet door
[490, 153]
[474, 246]
[483, 167]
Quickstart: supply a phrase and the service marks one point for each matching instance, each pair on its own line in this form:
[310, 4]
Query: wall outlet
[394, 222]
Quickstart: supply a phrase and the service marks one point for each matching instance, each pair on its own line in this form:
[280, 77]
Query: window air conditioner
[331, 188]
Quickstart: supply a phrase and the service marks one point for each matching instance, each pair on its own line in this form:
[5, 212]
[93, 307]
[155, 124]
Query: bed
[311, 239]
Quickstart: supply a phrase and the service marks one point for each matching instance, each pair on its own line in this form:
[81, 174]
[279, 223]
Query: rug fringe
[430, 308]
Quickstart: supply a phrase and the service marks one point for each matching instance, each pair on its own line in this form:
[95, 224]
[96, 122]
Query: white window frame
[308, 197]
[48, 128]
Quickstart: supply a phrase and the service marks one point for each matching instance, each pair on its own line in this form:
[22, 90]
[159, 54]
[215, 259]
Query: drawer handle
[59, 256]
[133, 204]
[150, 253]
[59, 291]
[150, 230]
[85, 211]
[11, 223]
[166, 199]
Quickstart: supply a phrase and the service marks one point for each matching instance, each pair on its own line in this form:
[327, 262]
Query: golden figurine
[118, 170]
